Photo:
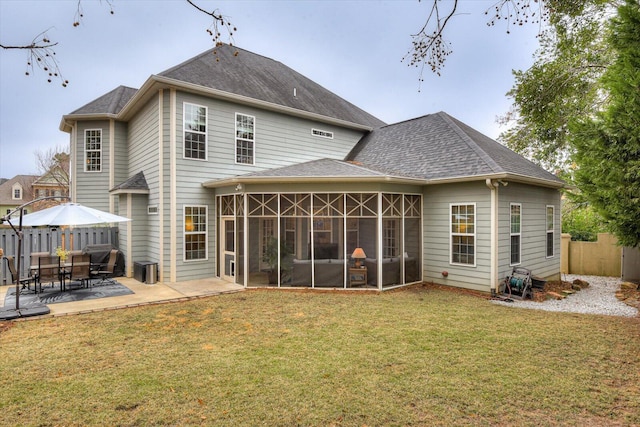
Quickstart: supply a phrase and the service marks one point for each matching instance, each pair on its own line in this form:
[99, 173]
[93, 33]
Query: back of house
[233, 165]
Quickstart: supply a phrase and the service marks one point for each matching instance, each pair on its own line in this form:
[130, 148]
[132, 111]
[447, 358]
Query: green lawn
[419, 356]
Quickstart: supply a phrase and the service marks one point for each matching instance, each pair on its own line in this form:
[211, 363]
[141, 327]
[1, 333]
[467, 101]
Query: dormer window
[17, 192]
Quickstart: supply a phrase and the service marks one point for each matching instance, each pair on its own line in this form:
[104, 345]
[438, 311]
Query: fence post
[564, 253]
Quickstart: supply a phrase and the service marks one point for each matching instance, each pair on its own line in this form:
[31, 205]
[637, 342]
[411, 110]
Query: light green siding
[141, 247]
[279, 141]
[437, 237]
[143, 149]
[92, 188]
[533, 229]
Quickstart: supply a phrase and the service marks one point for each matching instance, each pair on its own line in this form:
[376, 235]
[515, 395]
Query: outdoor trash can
[152, 269]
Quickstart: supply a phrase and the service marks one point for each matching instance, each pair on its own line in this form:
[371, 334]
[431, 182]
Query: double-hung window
[550, 230]
[195, 131]
[463, 234]
[195, 233]
[93, 150]
[515, 232]
[245, 139]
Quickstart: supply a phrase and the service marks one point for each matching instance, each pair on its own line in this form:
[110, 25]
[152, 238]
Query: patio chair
[35, 256]
[49, 271]
[81, 269]
[24, 281]
[106, 274]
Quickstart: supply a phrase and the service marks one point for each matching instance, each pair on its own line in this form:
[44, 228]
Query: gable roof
[234, 74]
[135, 184]
[439, 147]
[240, 72]
[109, 103]
[6, 190]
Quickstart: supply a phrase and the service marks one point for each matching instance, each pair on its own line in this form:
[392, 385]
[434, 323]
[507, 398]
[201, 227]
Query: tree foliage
[563, 83]
[581, 221]
[430, 49]
[607, 145]
[54, 169]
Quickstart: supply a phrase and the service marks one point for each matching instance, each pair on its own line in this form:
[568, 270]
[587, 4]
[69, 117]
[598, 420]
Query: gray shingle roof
[438, 146]
[136, 182]
[321, 168]
[109, 103]
[258, 77]
[6, 190]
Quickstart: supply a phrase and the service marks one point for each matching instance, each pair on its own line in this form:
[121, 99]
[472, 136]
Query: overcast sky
[353, 48]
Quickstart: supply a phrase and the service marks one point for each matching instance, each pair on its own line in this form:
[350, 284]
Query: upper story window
[550, 230]
[17, 192]
[93, 150]
[463, 234]
[245, 139]
[515, 232]
[195, 131]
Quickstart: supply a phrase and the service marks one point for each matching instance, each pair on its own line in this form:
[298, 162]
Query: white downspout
[494, 234]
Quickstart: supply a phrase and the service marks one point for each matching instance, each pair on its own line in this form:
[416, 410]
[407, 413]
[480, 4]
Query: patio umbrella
[70, 214]
[66, 214]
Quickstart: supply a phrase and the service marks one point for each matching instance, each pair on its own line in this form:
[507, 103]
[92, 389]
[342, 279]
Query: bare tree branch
[219, 24]
[53, 168]
[429, 47]
[41, 53]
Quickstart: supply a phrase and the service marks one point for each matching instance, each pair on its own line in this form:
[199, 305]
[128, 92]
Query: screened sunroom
[366, 240]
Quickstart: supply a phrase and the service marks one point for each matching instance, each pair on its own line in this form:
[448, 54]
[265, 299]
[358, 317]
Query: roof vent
[295, 92]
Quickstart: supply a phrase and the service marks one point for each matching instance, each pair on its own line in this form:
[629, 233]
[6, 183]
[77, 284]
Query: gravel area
[598, 298]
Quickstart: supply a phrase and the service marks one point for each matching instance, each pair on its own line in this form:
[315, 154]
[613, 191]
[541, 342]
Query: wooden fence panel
[47, 240]
[601, 258]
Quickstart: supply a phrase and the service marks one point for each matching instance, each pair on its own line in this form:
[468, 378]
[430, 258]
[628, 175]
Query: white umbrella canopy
[70, 214]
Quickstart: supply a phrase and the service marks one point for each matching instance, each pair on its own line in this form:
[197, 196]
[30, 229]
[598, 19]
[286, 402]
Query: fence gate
[631, 264]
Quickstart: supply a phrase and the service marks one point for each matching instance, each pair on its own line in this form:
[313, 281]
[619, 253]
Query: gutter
[498, 178]
[67, 121]
[217, 183]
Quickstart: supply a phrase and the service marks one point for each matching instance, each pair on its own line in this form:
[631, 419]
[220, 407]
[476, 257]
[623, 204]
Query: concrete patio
[143, 294]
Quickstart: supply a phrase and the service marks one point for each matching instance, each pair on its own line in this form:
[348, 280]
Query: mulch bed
[629, 293]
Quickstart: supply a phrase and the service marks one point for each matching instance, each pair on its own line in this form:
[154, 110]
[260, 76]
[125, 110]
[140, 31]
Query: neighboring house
[233, 165]
[15, 192]
[54, 183]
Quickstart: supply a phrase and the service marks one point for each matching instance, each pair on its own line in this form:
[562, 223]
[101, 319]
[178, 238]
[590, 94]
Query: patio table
[64, 269]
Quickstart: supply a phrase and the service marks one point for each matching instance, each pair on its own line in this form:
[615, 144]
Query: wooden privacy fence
[47, 240]
[600, 258]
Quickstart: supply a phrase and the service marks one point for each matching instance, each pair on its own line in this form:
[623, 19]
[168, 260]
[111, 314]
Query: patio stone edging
[133, 305]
